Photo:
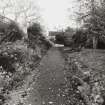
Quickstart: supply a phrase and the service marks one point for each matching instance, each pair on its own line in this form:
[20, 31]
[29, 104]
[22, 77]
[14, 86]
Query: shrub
[12, 33]
[35, 29]
[80, 38]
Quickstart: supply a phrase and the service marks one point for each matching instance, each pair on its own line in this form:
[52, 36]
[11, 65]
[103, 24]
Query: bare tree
[4, 5]
[25, 9]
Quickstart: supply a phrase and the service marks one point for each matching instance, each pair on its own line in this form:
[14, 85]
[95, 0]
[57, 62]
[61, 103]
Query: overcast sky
[55, 13]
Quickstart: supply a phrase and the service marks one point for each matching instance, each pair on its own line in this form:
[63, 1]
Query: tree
[5, 4]
[93, 19]
[25, 10]
[35, 29]
[69, 29]
[37, 40]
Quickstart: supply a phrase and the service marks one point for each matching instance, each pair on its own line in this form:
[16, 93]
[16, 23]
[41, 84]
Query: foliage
[69, 30]
[37, 40]
[93, 19]
[79, 38]
[83, 87]
[18, 61]
[12, 33]
[64, 37]
[23, 60]
[35, 29]
[59, 38]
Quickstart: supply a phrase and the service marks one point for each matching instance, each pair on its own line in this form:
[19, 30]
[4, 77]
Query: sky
[56, 15]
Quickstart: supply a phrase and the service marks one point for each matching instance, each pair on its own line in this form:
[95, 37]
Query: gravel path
[49, 86]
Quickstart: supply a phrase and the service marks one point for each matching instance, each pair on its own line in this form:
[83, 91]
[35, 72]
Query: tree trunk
[95, 41]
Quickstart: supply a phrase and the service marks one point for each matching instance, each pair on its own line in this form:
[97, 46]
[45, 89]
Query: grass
[88, 67]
